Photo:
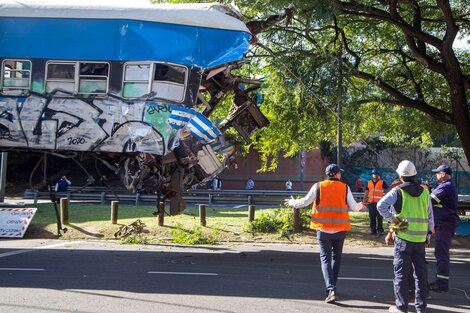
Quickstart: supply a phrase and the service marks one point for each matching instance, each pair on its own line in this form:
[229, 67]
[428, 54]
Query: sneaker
[373, 233]
[394, 309]
[331, 298]
[434, 287]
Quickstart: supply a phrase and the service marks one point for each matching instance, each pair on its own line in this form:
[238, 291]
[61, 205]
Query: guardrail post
[202, 214]
[210, 200]
[137, 198]
[251, 213]
[103, 197]
[35, 198]
[64, 211]
[297, 221]
[68, 196]
[250, 200]
[114, 211]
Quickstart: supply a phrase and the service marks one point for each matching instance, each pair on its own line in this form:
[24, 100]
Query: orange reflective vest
[330, 209]
[376, 192]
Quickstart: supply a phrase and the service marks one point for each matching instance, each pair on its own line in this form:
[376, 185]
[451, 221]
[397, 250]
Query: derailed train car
[131, 85]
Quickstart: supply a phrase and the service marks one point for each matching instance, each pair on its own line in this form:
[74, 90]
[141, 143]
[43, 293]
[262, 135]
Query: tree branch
[404, 100]
[352, 8]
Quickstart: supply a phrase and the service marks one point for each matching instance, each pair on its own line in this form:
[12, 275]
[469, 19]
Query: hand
[363, 207]
[428, 240]
[390, 238]
[289, 202]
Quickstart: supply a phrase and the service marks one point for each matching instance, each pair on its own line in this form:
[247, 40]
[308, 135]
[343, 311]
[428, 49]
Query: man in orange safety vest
[331, 200]
[375, 190]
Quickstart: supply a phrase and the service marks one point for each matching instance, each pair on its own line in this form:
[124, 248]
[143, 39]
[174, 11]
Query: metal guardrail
[199, 196]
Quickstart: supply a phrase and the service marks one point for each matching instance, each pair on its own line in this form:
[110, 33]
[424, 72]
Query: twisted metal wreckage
[136, 94]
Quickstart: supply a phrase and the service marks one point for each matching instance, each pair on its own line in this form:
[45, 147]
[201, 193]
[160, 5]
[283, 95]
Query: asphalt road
[94, 276]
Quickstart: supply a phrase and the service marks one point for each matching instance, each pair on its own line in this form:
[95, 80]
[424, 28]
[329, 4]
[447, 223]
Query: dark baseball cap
[443, 168]
[333, 169]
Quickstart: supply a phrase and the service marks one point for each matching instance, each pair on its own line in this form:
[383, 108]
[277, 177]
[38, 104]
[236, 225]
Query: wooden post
[64, 210]
[114, 211]
[296, 221]
[251, 213]
[161, 214]
[202, 214]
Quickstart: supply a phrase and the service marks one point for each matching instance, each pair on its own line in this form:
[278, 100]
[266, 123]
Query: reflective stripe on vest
[376, 192]
[415, 211]
[331, 213]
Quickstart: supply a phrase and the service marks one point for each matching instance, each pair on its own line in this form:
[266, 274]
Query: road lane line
[183, 273]
[366, 279]
[2, 255]
[20, 269]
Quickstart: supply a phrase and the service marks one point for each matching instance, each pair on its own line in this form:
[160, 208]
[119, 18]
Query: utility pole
[339, 99]
[302, 166]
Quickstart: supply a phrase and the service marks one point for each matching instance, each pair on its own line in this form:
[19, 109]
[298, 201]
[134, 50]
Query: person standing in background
[250, 184]
[359, 185]
[444, 203]
[288, 185]
[374, 192]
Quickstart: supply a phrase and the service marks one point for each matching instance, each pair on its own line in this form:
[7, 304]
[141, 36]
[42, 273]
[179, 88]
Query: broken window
[169, 81]
[156, 80]
[16, 76]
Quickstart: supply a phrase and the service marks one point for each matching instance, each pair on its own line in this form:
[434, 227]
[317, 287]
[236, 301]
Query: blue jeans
[408, 255]
[331, 250]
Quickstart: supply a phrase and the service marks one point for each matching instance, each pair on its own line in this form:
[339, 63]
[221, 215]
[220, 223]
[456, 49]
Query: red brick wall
[288, 168]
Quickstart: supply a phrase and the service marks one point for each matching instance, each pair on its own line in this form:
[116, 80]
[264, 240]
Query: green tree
[392, 64]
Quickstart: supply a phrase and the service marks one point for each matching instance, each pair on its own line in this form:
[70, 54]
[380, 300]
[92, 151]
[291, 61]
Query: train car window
[169, 81]
[16, 76]
[61, 77]
[136, 80]
[93, 78]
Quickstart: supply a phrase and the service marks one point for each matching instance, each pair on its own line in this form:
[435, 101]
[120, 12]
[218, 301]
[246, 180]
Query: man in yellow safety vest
[410, 203]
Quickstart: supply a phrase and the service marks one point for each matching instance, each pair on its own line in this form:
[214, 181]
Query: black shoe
[373, 233]
[331, 298]
[434, 287]
[381, 232]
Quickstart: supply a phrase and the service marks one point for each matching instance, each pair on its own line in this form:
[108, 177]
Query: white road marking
[184, 273]
[366, 279]
[376, 258]
[2, 255]
[20, 269]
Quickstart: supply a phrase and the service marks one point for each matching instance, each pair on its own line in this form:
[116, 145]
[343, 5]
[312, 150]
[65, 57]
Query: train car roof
[210, 15]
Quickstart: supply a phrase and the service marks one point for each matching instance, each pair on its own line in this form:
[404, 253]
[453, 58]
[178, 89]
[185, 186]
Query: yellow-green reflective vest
[415, 211]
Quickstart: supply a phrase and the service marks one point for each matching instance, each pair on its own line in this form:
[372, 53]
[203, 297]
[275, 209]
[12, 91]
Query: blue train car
[116, 78]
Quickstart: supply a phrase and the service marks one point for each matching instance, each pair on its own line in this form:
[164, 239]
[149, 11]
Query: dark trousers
[376, 220]
[443, 237]
[331, 250]
[406, 256]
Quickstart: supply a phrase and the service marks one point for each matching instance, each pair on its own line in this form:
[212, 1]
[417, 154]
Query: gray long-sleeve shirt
[387, 201]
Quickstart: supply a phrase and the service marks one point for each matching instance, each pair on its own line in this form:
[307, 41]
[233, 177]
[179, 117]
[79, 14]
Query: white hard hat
[406, 168]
